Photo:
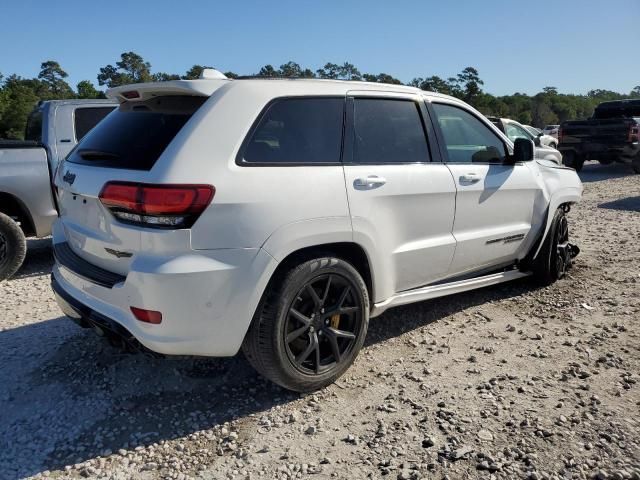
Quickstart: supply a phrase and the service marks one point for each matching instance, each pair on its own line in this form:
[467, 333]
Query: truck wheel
[555, 256]
[310, 325]
[573, 160]
[636, 164]
[13, 247]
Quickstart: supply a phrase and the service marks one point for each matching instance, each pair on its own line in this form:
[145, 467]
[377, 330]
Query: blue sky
[574, 45]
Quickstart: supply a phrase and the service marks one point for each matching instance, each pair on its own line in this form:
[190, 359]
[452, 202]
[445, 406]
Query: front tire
[13, 247]
[310, 325]
[554, 258]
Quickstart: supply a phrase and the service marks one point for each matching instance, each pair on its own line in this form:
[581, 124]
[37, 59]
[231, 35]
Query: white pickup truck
[27, 202]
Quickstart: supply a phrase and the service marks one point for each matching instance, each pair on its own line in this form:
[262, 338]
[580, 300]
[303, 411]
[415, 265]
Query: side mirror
[536, 141]
[523, 149]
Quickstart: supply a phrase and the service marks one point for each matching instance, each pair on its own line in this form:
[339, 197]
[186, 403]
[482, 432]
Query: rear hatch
[115, 162]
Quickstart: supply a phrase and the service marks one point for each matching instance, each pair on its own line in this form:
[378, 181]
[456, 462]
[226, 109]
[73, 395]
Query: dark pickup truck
[612, 134]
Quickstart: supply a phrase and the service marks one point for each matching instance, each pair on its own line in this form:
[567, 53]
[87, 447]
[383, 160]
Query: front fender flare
[565, 196]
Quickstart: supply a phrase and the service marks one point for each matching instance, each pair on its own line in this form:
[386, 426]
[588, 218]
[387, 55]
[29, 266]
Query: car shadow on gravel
[38, 261]
[630, 204]
[81, 398]
[594, 172]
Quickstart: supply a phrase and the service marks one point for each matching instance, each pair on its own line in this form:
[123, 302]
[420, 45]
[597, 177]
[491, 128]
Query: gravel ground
[506, 382]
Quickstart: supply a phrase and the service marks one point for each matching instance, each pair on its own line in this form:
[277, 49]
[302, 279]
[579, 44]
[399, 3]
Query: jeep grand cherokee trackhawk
[278, 216]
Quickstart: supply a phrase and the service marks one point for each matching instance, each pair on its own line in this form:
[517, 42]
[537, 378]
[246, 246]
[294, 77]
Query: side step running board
[441, 290]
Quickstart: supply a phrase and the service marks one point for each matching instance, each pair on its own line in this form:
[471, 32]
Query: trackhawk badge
[118, 253]
[69, 177]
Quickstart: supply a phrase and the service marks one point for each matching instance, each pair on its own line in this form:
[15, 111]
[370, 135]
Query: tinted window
[466, 138]
[298, 130]
[136, 133]
[34, 127]
[388, 131]
[87, 118]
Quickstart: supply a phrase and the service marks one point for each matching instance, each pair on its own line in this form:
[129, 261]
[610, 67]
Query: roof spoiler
[210, 80]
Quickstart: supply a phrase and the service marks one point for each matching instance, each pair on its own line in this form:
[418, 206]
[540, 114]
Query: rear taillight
[560, 134]
[156, 206]
[634, 133]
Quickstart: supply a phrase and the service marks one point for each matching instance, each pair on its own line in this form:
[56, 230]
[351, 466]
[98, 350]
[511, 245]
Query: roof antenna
[212, 74]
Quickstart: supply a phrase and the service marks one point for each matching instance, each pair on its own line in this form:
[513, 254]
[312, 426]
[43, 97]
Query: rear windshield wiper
[88, 154]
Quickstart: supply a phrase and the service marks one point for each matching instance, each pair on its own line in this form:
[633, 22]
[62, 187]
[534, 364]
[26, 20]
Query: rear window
[297, 131]
[88, 117]
[618, 110]
[134, 136]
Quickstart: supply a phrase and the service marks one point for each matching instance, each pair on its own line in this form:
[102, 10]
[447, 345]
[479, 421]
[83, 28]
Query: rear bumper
[207, 300]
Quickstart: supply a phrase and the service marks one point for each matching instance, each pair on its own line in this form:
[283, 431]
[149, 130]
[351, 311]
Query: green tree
[268, 71]
[194, 72]
[86, 89]
[53, 84]
[381, 78]
[432, 84]
[470, 84]
[20, 97]
[164, 77]
[130, 69]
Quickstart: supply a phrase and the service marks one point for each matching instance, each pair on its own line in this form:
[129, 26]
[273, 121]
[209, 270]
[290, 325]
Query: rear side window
[297, 131]
[88, 117]
[134, 136]
[34, 127]
[388, 131]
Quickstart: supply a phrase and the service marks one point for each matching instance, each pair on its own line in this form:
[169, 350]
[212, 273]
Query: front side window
[298, 131]
[466, 138]
[388, 131]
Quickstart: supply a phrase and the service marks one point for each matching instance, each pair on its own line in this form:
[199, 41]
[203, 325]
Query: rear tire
[13, 247]
[554, 258]
[573, 160]
[310, 325]
[636, 164]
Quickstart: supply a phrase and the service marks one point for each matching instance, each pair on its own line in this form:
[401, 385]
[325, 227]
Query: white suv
[280, 215]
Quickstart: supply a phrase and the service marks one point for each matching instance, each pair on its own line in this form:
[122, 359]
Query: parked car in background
[27, 203]
[612, 134]
[514, 130]
[546, 140]
[551, 130]
[277, 216]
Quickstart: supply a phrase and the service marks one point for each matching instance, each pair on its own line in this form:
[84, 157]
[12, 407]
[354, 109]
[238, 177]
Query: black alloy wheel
[322, 323]
[563, 248]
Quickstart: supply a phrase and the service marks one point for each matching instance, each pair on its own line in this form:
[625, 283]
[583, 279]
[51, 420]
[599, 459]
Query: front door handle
[469, 178]
[371, 181]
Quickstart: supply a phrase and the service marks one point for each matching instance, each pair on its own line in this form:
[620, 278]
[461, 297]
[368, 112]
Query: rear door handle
[371, 181]
[470, 178]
